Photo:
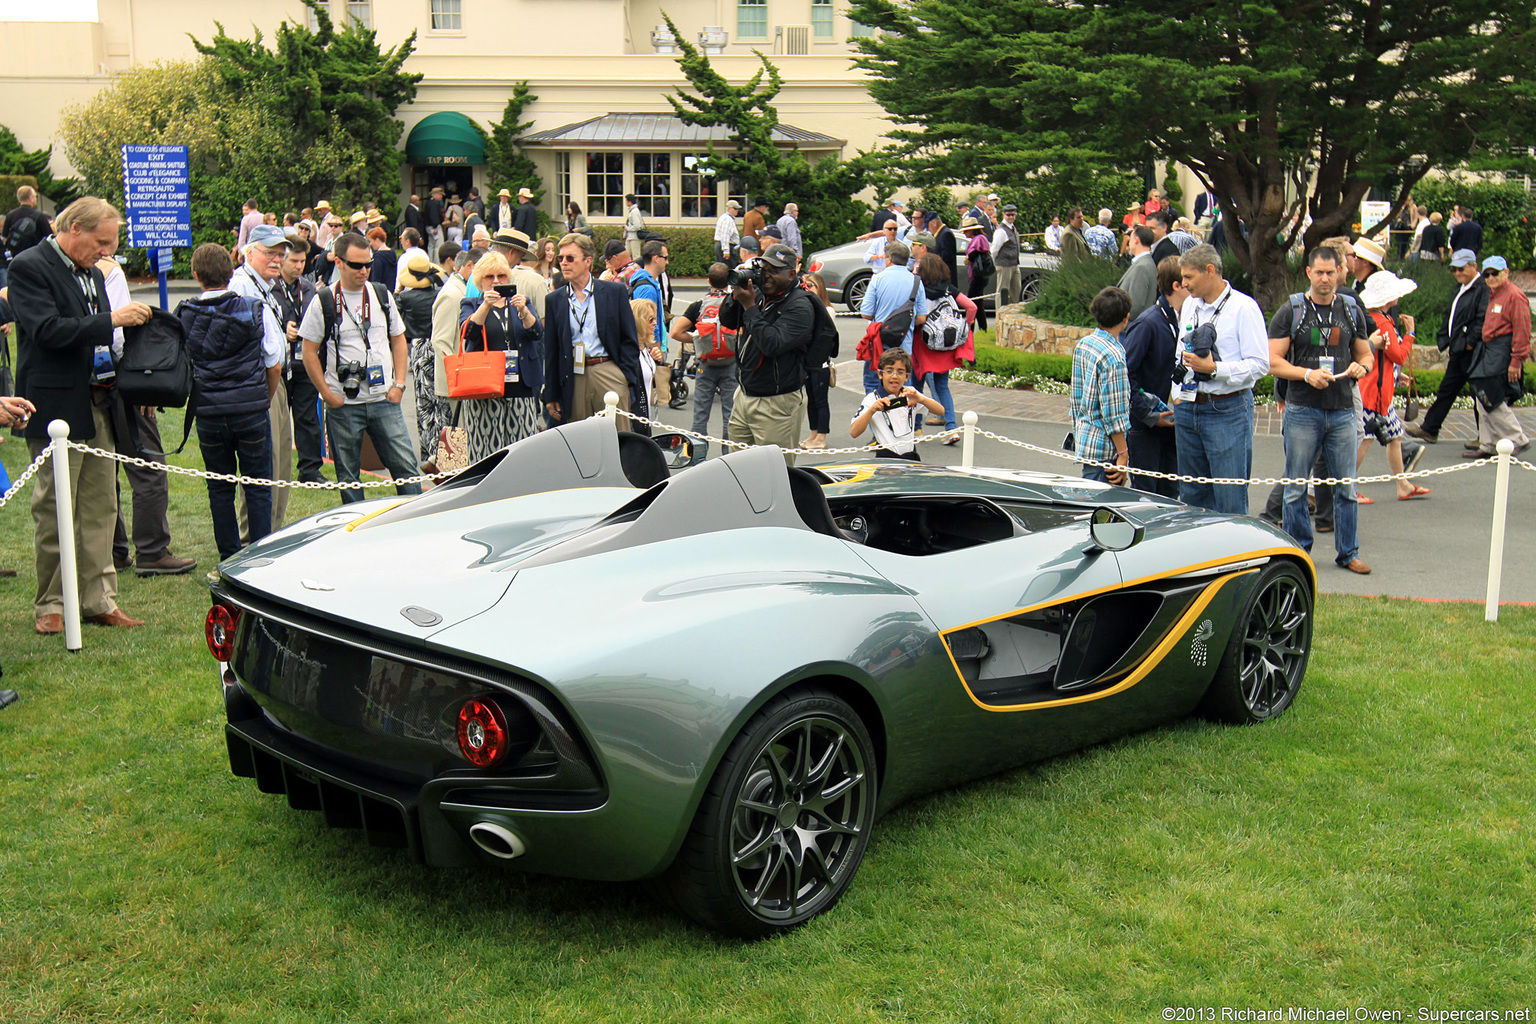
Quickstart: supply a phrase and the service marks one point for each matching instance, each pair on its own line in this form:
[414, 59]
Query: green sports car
[571, 661]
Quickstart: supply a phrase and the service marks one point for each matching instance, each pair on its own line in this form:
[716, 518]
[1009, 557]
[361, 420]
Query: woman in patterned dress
[495, 322]
[420, 280]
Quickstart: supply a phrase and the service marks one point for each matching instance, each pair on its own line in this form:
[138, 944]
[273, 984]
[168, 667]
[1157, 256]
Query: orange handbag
[475, 374]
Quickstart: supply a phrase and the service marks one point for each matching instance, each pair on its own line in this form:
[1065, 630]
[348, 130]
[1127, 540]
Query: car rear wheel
[785, 821]
[853, 292]
[1029, 291]
[1266, 656]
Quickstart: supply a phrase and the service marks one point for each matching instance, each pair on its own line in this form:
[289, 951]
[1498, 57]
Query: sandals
[1361, 499]
[1417, 492]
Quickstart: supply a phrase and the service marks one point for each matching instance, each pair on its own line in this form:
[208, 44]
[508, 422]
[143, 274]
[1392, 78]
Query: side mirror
[1113, 532]
[676, 448]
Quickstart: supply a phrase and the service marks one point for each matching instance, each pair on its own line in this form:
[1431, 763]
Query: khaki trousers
[774, 419]
[596, 382]
[1493, 427]
[93, 485]
[282, 465]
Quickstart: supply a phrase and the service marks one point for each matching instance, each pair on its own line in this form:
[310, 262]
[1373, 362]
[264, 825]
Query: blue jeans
[1308, 431]
[385, 425]
[241, 444]
[714, 379]
[938, 387]
[1098, 473]
[1215, 438]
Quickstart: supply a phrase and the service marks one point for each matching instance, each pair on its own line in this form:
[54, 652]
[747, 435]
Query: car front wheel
[1266, 655]
[785, 821]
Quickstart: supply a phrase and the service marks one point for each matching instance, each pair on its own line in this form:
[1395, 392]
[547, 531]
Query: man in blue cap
[1498, 362]
[1461, 332]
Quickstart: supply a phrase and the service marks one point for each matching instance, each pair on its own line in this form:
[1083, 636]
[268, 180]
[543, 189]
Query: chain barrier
[21, 481]
[726, 443]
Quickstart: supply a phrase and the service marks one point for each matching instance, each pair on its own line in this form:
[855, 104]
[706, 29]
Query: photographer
[1320, 339]
[362, 377]
[776, 321]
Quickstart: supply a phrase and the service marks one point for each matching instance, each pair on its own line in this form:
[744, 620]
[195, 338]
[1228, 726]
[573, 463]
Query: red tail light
[815, 267]
[220, 631]
[482, 733]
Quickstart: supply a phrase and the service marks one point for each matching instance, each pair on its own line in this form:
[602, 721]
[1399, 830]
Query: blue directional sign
[158, 193]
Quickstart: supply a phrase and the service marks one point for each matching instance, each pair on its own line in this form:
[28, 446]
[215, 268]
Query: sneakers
[1414, 430]
[169, 565]
[1411, 461]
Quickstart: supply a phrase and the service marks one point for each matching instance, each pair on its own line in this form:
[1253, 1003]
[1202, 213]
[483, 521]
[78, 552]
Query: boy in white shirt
[894, 416]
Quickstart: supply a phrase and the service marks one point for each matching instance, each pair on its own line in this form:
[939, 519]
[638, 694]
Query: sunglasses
[358, 266]
[567, 258]
[1492, 273]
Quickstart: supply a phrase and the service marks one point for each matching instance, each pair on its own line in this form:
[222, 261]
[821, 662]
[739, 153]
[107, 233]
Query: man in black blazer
[590, 345]
[64, 330]
[1457, 337]
[413, 217]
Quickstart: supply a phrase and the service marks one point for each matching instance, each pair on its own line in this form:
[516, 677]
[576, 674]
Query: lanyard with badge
[504, 318]
[363, 323]
[579, 350]
[1316, 333]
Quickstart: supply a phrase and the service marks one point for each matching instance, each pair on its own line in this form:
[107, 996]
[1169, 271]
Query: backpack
[156, 370]
[327, 300]
[24, 235]
[721, 341]
[897, 328]
[945, 329]
[824, 343]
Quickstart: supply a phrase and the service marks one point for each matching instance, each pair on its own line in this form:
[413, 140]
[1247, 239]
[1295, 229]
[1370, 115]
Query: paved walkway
[1042, 408]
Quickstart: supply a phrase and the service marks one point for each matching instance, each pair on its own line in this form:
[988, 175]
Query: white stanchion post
[968, 438]
[1506, 449]
[611, 407]
[64, 506]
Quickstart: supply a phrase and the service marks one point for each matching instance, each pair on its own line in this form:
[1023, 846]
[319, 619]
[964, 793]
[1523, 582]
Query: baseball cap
[1010, 208]
[733, 204]
[1491, 263]
[612, 249]
[779, 256]
[748, 243]
[268, 235]
[1463, 258]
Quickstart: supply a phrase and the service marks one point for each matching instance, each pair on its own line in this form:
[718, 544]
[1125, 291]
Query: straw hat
[1372, 251]
[420, 272]
[504, 194]
[970, 224]
[324, 204]
[525, 193]
[514, 238]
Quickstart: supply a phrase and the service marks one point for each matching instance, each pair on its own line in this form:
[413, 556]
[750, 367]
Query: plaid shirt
[1101, 395]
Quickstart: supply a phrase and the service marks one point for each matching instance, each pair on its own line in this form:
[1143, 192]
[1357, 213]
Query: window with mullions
[860, 31]
[360, 12]
[821, 18]
[737, 190]
[653, 183]
[563, 182]
[605, 184]
[313, 19]
[752, 19]
[447, 15]
[700, 193]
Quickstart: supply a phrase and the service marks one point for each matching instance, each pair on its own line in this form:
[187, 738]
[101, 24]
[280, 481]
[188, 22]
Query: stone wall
[1031, 334]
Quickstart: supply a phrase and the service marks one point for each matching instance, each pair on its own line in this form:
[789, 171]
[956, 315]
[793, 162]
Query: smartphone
[506, 291]
[898, 402]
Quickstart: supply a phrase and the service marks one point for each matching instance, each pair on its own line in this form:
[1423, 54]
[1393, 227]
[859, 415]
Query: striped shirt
[1101, 395]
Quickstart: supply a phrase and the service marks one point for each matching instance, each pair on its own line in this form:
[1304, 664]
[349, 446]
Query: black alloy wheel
[1266, 656]
[784, 825]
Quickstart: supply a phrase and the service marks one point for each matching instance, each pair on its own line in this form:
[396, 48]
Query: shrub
[9, 183]
[1065, 294]
[692, 249]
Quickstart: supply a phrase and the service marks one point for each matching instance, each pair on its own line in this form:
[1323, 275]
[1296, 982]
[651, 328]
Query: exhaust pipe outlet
[497, 840]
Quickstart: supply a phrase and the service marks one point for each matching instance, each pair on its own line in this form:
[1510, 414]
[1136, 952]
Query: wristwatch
[398, 384]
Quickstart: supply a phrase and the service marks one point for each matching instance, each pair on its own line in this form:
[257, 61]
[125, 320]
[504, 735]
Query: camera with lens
[750, 272]
[1379, 427]
[351, 376]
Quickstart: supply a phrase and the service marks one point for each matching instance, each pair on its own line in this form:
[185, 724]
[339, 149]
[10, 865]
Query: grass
[1372, 848]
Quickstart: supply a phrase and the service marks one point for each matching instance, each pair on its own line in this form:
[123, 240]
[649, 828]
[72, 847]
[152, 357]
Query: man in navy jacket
[590, 346]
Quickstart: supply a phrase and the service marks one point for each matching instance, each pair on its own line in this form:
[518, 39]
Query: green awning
[446, 137]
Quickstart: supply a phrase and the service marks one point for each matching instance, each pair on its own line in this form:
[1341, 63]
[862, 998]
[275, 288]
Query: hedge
[692, 249]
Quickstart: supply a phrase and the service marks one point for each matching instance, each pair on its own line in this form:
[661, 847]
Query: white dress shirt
[1242, 339]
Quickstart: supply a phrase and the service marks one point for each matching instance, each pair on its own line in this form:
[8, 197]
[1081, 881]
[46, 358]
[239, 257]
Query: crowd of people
[310, 310]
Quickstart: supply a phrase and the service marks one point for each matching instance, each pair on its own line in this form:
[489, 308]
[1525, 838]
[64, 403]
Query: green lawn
[1373, 848]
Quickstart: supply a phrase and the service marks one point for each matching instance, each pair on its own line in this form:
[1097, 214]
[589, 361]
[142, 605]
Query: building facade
[600, 70]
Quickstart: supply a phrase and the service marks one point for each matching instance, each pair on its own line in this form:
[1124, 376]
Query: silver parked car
[847, 275]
